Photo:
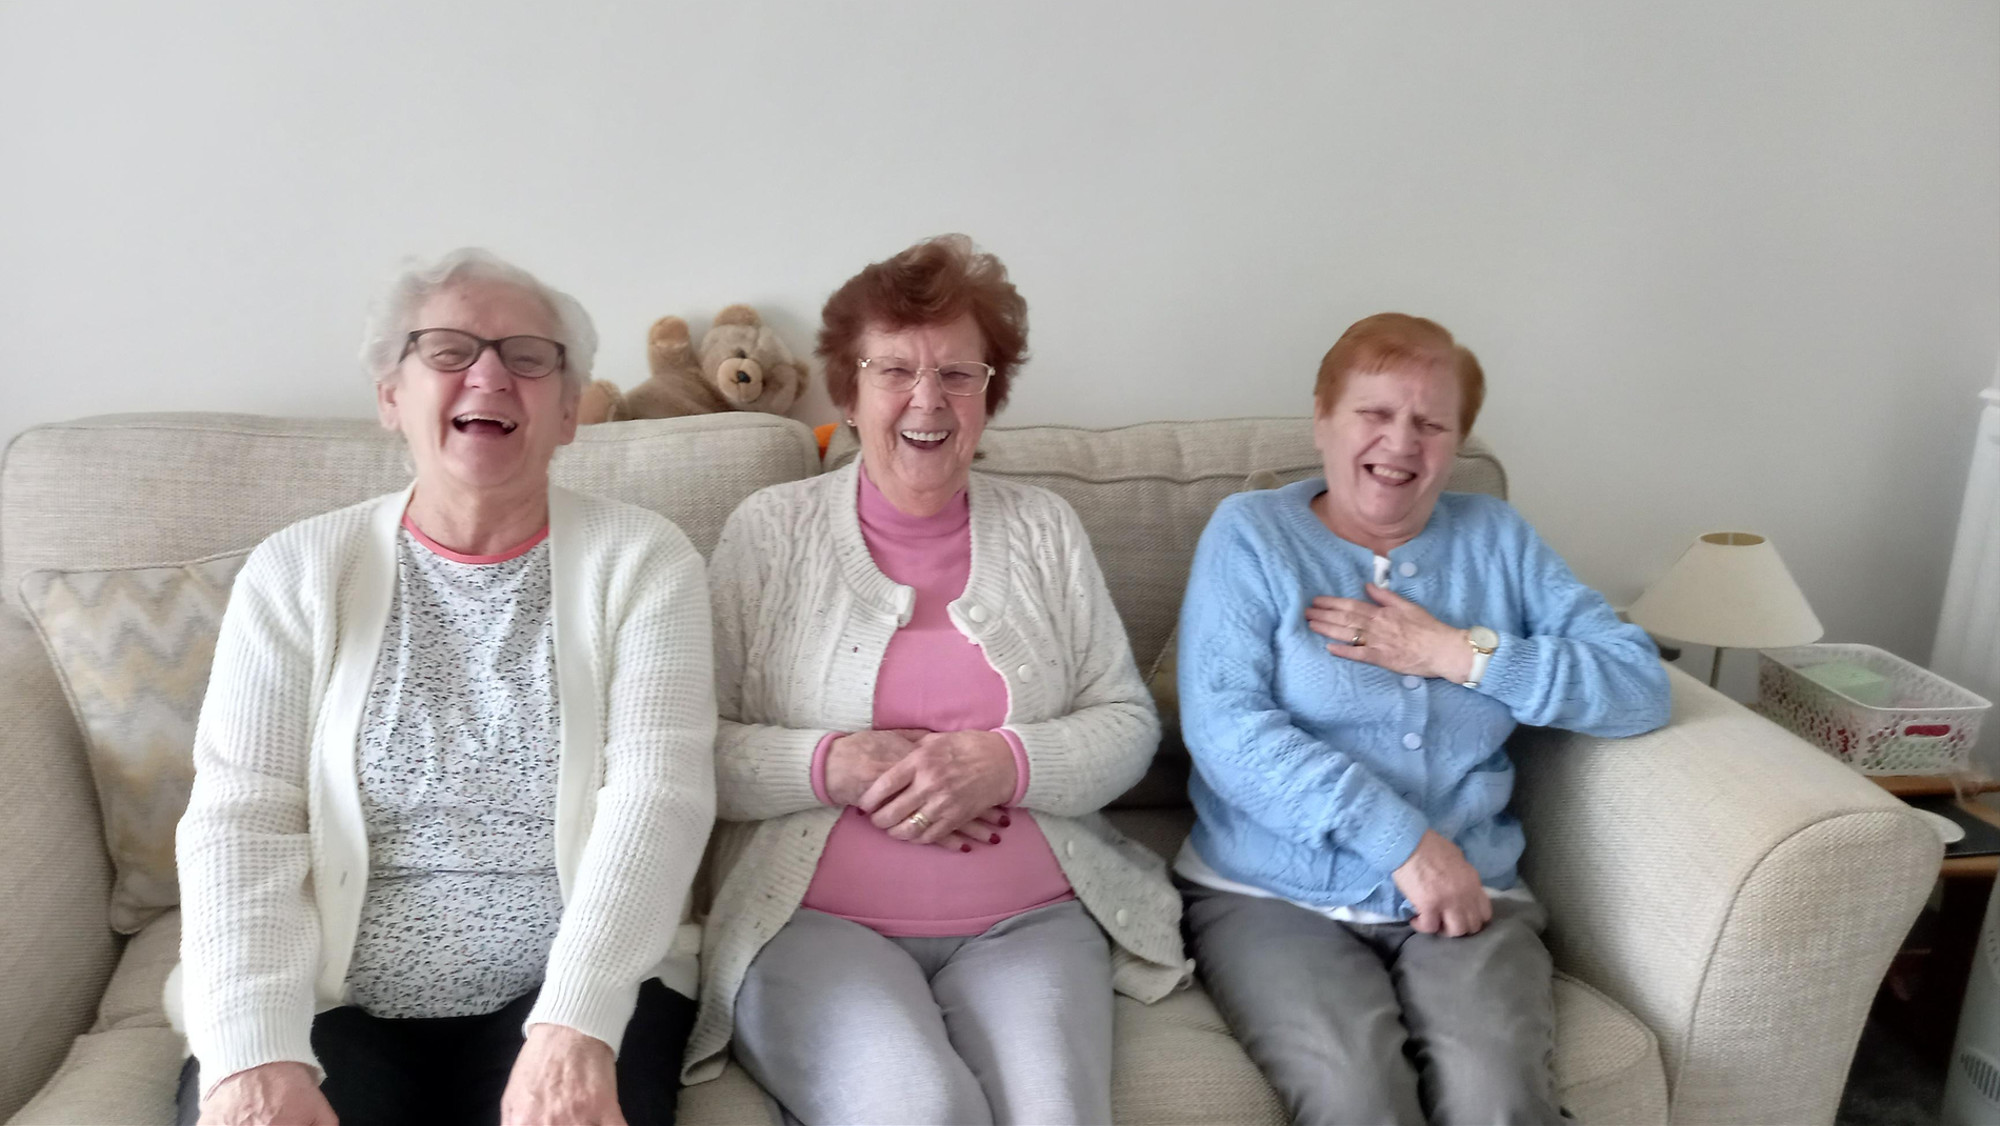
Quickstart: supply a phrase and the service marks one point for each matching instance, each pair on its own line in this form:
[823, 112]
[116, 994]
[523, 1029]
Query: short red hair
[1388, 341]
[934, 282]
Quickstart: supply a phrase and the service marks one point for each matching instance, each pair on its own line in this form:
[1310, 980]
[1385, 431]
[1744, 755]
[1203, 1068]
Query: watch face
[1483, 639]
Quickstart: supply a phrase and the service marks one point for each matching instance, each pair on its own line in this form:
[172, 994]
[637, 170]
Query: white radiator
[1972, 1086]
[1968, 636]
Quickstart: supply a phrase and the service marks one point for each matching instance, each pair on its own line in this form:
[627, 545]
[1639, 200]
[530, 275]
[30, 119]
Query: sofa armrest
[57, 949]
[1737, 889]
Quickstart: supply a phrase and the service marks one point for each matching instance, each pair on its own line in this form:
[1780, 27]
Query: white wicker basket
[1930, 729]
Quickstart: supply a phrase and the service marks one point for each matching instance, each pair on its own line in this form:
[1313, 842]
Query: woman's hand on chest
[1391, 632]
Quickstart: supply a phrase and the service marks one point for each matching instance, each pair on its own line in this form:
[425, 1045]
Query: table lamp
[1730, 591]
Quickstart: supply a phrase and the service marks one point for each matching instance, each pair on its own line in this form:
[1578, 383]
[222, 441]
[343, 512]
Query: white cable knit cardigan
[802, 619]
[273, 854]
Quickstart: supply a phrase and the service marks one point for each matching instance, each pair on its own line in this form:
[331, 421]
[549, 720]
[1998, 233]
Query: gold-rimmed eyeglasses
[448, 349]
[894, 373]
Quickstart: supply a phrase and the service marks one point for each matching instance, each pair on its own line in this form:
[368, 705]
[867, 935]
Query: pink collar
[880, 515]
[441, 550]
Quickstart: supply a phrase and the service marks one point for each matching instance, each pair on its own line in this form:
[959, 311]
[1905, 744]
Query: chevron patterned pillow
[132, 647]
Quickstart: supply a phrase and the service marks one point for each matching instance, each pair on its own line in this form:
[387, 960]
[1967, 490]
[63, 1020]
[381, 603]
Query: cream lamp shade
[1730, 591]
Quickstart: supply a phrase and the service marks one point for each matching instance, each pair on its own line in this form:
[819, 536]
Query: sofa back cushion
[1145, 493]
[132, 648]
[125, 490]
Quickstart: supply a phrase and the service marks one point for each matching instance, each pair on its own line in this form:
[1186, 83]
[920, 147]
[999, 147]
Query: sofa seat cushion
[134, 997]
[120, 1076]
[730, 1099]
[1175, 1062]
[1607, 1065]
[126, 1068]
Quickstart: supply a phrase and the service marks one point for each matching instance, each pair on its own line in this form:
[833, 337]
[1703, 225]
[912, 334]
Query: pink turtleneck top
[937, 679]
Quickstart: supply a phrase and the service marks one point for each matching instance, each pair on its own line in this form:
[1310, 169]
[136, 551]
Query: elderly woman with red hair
[925, 697]
[1368, 641]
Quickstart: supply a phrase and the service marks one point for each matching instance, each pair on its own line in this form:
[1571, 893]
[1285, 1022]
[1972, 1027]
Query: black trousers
[454, 1069]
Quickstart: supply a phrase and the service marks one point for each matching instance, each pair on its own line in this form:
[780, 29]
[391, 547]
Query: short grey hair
[393, 318]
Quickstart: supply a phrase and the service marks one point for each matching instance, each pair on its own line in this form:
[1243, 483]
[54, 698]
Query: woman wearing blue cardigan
[1356, 650]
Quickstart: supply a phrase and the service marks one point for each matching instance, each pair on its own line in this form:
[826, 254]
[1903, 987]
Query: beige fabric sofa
[1723, 898]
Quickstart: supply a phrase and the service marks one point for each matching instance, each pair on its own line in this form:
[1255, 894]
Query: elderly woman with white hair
[453, 773]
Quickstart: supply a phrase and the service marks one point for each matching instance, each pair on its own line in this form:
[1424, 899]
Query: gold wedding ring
[1358, 639]
[919, 820]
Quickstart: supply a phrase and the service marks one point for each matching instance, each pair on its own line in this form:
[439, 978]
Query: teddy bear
[741, 366]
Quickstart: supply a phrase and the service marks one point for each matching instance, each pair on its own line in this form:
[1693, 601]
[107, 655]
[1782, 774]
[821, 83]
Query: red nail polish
[1005, 821]
[965, 848]
[993, 839]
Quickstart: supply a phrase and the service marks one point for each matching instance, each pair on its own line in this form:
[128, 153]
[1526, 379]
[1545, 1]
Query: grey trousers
[842, 1025]
[1357, 1023]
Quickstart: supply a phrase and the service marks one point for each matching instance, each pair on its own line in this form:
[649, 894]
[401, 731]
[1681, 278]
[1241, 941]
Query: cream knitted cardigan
[802, 619]
[272, 851]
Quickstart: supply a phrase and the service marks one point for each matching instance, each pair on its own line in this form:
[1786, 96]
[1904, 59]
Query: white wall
[1728, 265]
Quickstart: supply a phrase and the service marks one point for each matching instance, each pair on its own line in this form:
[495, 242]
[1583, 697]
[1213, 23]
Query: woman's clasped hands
[943, 788]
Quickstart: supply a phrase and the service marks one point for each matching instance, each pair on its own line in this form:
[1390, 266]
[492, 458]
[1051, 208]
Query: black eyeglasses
[447, 349]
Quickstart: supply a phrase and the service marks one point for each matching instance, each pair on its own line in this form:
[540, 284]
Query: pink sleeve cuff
[1020, 766]
[819, 765]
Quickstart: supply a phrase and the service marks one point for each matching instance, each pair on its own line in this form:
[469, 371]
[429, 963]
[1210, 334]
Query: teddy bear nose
[742, 376]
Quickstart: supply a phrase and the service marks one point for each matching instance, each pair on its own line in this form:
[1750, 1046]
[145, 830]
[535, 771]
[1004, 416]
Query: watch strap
[1479, 662]
[1481, 655]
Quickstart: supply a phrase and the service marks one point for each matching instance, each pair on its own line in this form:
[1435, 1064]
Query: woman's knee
[874, 1053]
[938, 1090]
[1332, 1096]
[1491, 1088]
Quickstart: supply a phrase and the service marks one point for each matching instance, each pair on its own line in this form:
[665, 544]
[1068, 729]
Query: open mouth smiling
[473, 422]
[1389, 475]
[925, 439]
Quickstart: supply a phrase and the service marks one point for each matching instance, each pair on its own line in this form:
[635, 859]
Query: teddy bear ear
[668, 330]
[738, 315]
[668, 349]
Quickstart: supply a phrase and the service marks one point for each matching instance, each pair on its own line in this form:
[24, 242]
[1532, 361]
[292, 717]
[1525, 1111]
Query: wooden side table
[1926, 983]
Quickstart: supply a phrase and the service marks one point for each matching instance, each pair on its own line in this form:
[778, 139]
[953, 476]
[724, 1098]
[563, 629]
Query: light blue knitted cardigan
[1315, 775]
